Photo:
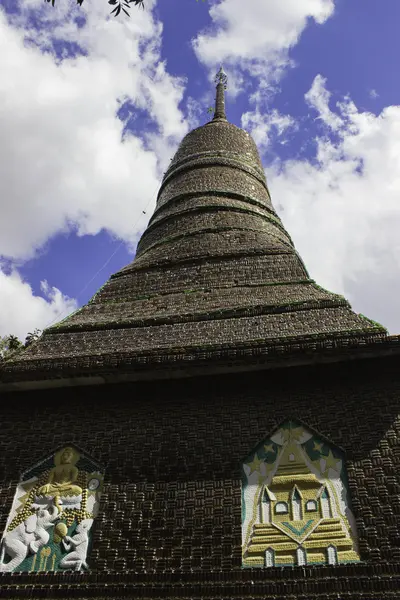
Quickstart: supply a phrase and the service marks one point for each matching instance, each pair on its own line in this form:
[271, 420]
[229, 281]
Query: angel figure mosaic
[295, 502]
[49, 526]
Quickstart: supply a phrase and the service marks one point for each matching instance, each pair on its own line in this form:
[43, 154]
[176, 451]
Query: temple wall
[173, 453]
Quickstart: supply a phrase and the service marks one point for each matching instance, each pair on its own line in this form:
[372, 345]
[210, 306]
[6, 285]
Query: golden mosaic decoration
[295, 502]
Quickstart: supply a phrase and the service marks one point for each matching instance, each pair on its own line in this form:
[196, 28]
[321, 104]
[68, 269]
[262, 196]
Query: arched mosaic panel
[295, 502]
[49, 526]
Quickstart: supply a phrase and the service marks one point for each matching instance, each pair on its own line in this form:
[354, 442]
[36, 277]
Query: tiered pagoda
[212, 424]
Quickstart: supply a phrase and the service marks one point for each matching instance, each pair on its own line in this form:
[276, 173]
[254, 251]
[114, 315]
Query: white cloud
[261, 124]
[256, 36]
[343, 209]
[318, 98]
[22, 311]
[63, 162]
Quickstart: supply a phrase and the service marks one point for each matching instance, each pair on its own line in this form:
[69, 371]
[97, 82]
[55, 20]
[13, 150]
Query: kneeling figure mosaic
[49, 526]
[295, 502]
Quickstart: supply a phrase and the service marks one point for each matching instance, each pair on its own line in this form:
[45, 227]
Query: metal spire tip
[221, 77]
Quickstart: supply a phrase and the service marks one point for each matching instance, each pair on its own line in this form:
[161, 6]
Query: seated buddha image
[63, 476]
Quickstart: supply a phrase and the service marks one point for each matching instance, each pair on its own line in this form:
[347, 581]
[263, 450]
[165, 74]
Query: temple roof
[216, 276]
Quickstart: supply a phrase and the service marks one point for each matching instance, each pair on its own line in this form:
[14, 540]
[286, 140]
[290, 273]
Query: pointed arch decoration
[301, 556]
[295, 502]
[49, 527]
[331, 555]
[266, 507]
[270, 557]
[326, 504]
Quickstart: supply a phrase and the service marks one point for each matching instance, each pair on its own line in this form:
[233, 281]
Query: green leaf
[116, 10]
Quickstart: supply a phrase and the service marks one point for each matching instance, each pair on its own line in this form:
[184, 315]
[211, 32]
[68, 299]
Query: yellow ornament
[60, 531]
[318, 447]
[255, 464]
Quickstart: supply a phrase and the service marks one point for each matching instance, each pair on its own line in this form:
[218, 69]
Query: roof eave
[161, 369]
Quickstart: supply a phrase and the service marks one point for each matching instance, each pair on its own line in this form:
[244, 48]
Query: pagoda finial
[221, 81]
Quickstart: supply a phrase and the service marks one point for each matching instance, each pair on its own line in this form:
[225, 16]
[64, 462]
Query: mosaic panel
[295, 502]
[49, 526]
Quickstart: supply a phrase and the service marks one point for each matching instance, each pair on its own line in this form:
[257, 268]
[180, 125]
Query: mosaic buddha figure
[63, 476]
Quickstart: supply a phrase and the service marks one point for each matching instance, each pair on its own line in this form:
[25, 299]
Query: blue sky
[92, 109]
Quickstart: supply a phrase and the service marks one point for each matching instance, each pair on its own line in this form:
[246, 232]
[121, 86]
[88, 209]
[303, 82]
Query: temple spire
[221, 80]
